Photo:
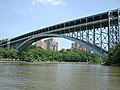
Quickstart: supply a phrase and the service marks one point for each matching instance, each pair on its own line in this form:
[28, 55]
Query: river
[46, 76]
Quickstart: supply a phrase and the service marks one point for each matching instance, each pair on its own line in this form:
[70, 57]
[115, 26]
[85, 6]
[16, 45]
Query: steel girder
[93, 39]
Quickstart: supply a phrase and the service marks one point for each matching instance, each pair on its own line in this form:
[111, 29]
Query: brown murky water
[37, 76]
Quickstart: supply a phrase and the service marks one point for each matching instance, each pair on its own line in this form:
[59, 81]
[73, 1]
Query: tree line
[33, 53]
[113, 57]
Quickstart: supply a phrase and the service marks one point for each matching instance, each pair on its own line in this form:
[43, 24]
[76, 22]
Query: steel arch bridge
[98, 32]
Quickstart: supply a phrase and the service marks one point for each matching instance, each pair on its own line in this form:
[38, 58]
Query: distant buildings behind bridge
[52, 44]
[49, 44]
[77, 46]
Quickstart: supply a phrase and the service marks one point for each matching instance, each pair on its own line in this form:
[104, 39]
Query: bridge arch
[37, 37]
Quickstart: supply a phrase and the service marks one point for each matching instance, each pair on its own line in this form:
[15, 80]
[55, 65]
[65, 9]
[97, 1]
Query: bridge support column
[119, 24]
[8, 44]
[93, 35]
[113, 28]
[101, 37]
[111, 39]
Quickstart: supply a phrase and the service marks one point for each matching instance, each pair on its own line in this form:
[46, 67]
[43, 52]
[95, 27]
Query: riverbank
[55, 62]
[43, 62]
[114, 65]
[10, 61]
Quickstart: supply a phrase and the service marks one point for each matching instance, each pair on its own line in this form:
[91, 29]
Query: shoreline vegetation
[35, 54]
[113, 57]
[32, 54]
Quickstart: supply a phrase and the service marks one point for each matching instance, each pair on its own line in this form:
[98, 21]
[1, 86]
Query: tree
[3, 53]
[62, 50]
[113, 57]
[13, 54]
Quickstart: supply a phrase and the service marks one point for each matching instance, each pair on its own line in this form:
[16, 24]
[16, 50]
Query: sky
[18, 17]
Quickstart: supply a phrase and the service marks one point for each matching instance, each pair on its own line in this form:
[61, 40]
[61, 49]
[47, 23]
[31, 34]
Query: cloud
[45, 2]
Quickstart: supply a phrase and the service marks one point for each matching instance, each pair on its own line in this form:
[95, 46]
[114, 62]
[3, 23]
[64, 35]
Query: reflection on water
[31, 76]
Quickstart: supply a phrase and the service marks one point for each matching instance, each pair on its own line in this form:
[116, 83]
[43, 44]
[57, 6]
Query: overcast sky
[18, 17]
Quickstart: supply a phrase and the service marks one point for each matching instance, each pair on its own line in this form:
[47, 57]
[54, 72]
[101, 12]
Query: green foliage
[3, 53]
[13, 54]
[8, 54]
[113, 57]
[33, 53]
[62, 55]
[3, 40]
[94, 58]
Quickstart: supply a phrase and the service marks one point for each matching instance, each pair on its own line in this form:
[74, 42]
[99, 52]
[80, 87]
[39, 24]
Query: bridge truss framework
[98, 32]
